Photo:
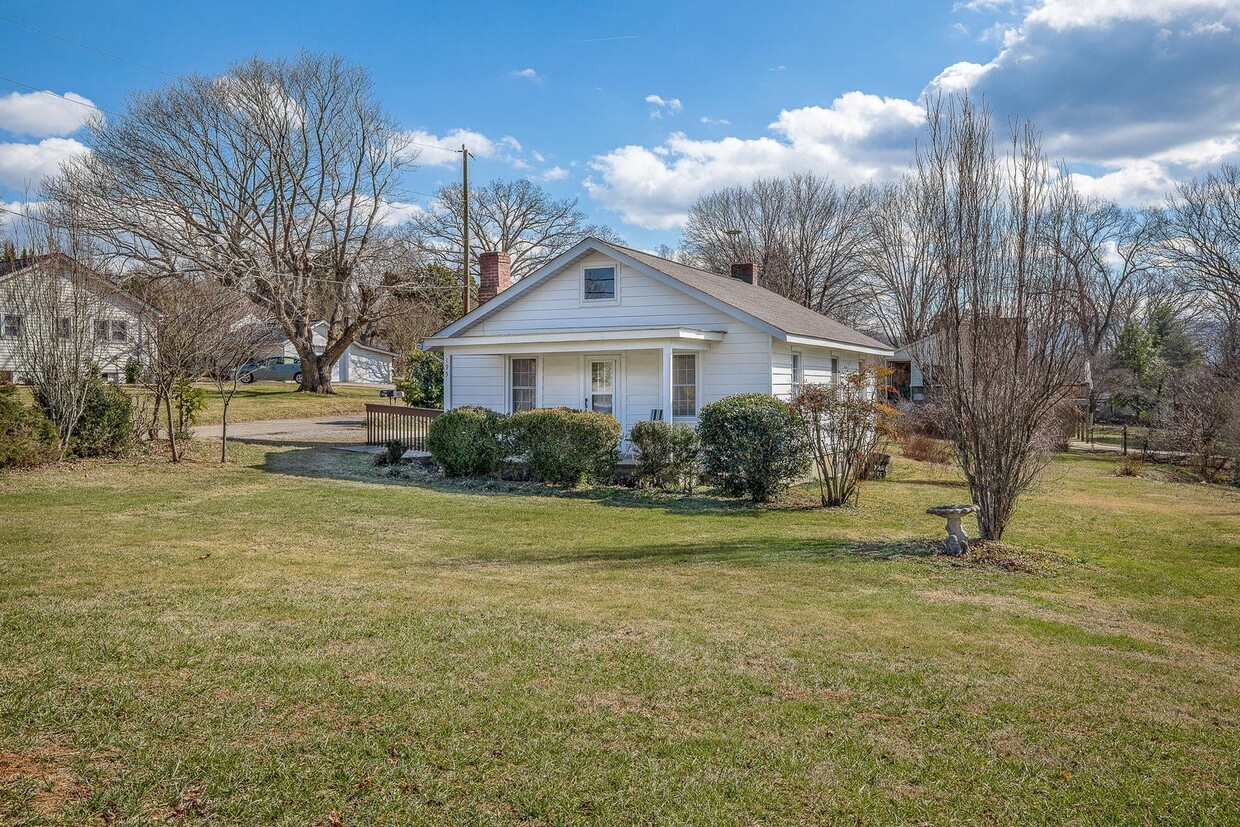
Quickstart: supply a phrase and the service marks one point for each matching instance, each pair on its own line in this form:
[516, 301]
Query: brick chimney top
[494, 275]
[744, 271]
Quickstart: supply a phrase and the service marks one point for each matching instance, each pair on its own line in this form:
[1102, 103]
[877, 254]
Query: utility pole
[465, 229]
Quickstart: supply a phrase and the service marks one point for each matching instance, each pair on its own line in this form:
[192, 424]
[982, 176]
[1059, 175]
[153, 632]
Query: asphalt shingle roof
[772, 308]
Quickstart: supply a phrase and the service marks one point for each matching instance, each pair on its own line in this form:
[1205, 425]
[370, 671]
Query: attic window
[600, 283]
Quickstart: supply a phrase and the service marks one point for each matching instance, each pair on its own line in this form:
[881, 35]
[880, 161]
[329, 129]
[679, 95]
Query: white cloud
[395, 213]
[858, 138]
[715, 121]
[444, 150]
[555, 174]
[24, 166]
[1132, 94]
[526, 74]
[659, 106]
[42, 114]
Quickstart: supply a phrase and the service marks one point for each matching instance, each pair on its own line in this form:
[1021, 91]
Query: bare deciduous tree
[803, 232]
[273, 180]
[903, 275]
[517, 217]
[1009, 352]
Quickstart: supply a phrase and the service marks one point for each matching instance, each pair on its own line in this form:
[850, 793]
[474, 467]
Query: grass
[297, 639]
[280, 400]
[271, 400]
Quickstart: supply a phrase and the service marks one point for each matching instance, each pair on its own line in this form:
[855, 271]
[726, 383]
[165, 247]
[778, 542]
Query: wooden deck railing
[385, 423]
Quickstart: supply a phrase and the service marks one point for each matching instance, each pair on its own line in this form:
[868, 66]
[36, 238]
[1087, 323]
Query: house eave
[812, 341]
[625, 338]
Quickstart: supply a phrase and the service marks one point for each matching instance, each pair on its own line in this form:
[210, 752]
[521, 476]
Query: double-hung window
[835, 369]
[684, 384]
[798, 369]
[11, 325]
[600, 283]
[524, 384]
[101, 330]
[64, 327]
[120, 330]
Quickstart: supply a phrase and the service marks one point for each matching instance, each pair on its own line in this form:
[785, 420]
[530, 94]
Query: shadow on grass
[319, 461]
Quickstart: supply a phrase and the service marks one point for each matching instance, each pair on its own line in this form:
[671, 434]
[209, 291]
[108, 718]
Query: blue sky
[637, 108]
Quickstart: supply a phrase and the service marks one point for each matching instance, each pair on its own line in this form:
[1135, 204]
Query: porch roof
[616, 338]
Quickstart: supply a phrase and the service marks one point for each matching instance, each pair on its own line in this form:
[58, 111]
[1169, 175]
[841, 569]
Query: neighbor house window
[524, 384]
[684, 385]
[798, 369]
[11, 325]
[835, 368]
[101, 330]
[64, 327]
[600, 283]
[120, 330]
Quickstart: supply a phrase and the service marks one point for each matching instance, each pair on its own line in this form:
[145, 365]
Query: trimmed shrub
[666, 455]
[422, 382]
[105, 428]
[565, 447]
[27, 437]
[467, 442]
[753, 445]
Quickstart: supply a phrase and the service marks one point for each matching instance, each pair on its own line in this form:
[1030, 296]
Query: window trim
[798, 367]
[615, 293]
[697, 388]
[537, 381]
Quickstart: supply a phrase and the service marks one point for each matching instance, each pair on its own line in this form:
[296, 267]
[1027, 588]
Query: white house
[111, 323]
[610, 329]
[360, 364]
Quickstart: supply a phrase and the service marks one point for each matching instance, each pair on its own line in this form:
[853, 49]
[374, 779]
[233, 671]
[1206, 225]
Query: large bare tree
[273, 180]
[803, 232]
[1008, 353]
[904, 279]
[517, 217]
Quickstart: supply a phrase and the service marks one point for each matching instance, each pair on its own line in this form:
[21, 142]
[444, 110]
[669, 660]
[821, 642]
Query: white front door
[602, 378]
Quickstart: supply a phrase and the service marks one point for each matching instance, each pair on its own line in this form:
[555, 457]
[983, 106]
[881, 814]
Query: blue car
[273, 368]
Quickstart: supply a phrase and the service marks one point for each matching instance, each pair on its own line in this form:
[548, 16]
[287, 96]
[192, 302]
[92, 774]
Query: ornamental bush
[753, 445]
[467, 442]
[565, 447]
[666, 455]
[106, 426]
[27, 437]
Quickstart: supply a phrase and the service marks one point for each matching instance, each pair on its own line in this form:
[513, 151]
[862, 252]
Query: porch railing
[385, 423]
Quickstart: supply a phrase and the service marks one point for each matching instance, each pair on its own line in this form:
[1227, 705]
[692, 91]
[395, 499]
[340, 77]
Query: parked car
[278, 368]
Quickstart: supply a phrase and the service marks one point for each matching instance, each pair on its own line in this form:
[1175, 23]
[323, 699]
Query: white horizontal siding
[478, 381]
[643, 369]
[561, 380]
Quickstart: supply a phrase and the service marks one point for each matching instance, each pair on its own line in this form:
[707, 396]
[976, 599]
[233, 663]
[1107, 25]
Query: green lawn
[280, 400]
[296, 639]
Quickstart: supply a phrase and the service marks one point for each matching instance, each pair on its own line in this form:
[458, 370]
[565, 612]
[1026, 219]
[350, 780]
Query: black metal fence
[385, 423]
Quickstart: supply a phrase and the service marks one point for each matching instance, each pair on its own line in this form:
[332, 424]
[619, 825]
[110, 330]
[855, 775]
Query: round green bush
[106, 426]
[467, 442]
[652, 452]
[753, 445]
[565, 447]
[27, 437]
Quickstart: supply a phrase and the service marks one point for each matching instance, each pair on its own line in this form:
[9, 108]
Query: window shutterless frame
[600, 285]
[684, 385]
[522, 383]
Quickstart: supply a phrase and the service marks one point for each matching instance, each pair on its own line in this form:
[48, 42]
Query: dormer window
[600, 283]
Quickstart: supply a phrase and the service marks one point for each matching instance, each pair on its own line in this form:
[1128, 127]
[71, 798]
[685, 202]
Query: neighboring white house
[117, 321]
[610, 329]
[361, 364]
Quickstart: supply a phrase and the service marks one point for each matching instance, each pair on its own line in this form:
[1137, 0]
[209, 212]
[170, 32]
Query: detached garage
[361, 364]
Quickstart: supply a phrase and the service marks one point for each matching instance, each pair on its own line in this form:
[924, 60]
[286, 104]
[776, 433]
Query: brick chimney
[744, 271]
[494, 275]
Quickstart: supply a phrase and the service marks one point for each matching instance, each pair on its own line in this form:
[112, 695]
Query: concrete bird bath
[957, 541]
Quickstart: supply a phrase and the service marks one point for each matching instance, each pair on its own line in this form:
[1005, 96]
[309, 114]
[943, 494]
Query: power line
[87, 46]
[58, 95]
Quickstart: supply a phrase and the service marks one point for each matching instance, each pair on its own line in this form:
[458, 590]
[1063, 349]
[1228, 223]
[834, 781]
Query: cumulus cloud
[660, 106]
[42, 114]
[1132, 94]
[526, 74]
[715, 121]
[443, 150]
[554, 174]
[23, 166]
[858, 138]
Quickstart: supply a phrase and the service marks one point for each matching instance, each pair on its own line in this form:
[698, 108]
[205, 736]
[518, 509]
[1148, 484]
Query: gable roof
[767, 310]
[66, 264]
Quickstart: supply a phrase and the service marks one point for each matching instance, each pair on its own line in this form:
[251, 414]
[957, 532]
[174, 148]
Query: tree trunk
[172, 431]
[224, 431]
[316, 375]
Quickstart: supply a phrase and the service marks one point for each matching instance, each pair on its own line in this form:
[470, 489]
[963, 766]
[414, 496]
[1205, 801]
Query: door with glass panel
[602, 397]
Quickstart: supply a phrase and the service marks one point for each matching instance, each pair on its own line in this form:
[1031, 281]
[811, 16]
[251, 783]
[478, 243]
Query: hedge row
[750, 445]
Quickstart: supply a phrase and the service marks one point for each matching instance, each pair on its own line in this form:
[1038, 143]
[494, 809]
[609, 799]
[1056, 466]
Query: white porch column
[665, 389]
